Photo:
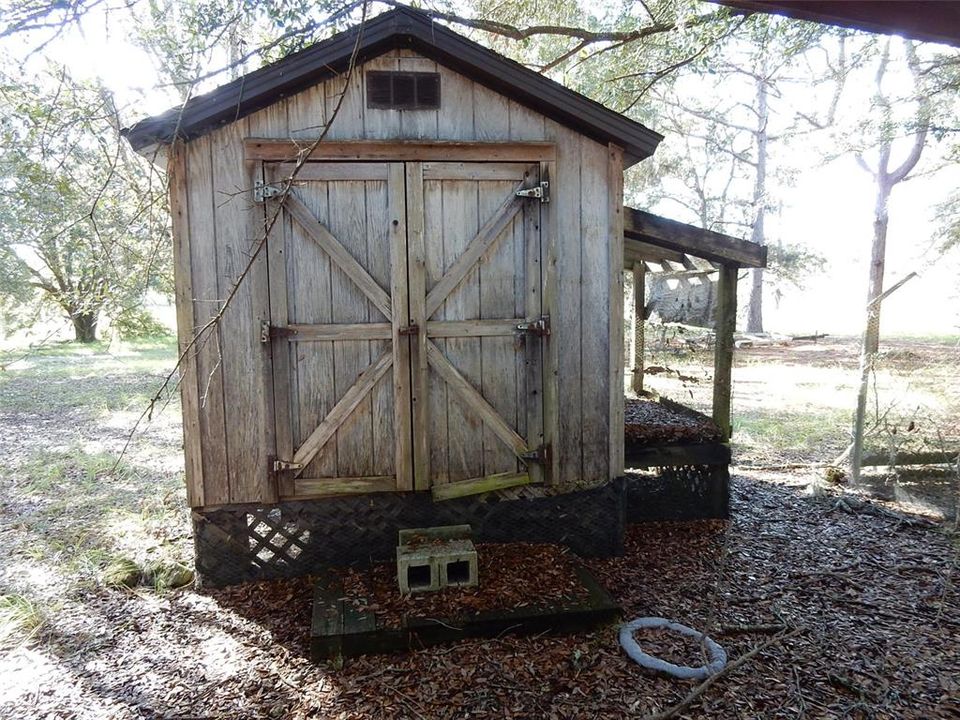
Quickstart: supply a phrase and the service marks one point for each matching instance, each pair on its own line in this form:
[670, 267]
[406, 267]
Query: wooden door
[475, 286]
[338, 296]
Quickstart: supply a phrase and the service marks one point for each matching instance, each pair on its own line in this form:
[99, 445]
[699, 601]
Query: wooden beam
[634, 250]
[673, 235]
[183, 283]
[321, 487]
[339, 254]
[477, 248]
[473, 328]
[726, 325]
[475, 486]
[617, 358]
[449, 151]
[342, 410]
[474, 400]
[339, 331]
[639, 310]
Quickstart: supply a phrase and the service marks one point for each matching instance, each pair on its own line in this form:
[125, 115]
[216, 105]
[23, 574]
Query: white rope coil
[716, 656]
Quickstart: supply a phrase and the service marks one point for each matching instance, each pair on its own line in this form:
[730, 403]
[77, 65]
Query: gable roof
[402, 27]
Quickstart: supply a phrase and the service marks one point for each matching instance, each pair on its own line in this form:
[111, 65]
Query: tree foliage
[83, 226]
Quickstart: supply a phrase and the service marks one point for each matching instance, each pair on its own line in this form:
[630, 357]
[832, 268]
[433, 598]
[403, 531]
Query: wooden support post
[639, 292]
[725, 326]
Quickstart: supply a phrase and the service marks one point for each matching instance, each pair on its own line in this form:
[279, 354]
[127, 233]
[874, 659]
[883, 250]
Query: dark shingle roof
[402, 27]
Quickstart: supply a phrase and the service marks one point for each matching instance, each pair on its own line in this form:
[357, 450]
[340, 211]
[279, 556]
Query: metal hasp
[539, 327]
[264, 191]
[409, 330]
[270, 332]
[278, 466]
[541, 192]
[537, 456]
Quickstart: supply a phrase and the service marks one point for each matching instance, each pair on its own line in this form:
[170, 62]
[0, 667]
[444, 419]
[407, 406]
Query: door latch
[537, 456]
[540, 192]
[539, 327]
[270, 332]
[409, 330]
[278, 466]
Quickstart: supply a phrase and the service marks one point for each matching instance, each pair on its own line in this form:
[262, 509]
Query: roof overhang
[929, 21]
[656, 238]
[402, 27]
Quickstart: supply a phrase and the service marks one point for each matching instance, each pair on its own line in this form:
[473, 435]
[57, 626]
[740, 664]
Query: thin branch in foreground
[208, 329]
[700, 689]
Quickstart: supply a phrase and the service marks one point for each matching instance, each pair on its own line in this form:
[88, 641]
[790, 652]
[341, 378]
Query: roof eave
[399, 28]
[689, 239]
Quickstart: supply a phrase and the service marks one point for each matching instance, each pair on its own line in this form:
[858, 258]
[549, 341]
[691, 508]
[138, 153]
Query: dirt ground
[867, 592]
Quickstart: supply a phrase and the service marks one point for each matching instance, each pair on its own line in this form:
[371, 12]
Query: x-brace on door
[406, 328]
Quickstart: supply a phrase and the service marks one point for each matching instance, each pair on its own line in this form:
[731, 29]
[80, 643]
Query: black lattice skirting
[253, 542]
[685, 492]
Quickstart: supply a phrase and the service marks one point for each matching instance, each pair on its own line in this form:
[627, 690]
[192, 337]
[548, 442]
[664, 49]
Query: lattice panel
[294, 538]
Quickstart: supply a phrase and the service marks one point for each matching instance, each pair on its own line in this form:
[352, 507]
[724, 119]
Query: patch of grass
[813, 435]
[20, 619]
[93, 378]
[53, 472]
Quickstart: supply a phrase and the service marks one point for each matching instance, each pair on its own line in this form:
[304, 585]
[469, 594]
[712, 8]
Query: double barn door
[405, 304]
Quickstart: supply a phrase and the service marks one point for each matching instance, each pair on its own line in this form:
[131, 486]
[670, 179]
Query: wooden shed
[423, 318]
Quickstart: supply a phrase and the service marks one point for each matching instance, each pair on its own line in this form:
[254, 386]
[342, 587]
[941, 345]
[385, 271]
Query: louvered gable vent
[403, 90]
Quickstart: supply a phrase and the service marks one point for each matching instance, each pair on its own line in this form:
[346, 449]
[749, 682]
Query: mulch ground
[512, 576]
[649, 423]
[874, 602]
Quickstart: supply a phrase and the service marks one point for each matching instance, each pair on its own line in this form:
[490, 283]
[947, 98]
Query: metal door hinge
[539, 327]
[270, 332]
[278, 466]
[541, 192]
[264, 191]
[537, 456]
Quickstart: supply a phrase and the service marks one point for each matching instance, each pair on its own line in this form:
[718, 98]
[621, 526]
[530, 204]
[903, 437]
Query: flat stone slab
[340, 629]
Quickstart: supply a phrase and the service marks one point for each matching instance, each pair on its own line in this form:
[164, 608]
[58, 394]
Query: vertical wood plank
[550, 308]
[525, 124]
[615, 273]
[400, 302]
[595, 311]
[565, 340]
[306, 114]
[279, 315]
[455, 117]
[351, 357]
[425, 442]
[417, 124]
[726, 325]
[381, 205]
[183, 283]
[491, 114]
[498, 277]
[308, 297]
[380, 123]
[533, 355]
[206, 301]
[639, 310]
[348, 123]
[460, 223]
[247, 366]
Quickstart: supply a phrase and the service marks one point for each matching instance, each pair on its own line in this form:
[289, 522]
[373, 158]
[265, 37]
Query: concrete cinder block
[433, 558]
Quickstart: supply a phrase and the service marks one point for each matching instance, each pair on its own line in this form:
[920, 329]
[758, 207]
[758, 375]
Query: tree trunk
[84, 326]
[755, 304]
[871, 333]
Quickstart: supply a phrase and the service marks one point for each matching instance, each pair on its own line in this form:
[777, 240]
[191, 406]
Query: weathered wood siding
[229, 396]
